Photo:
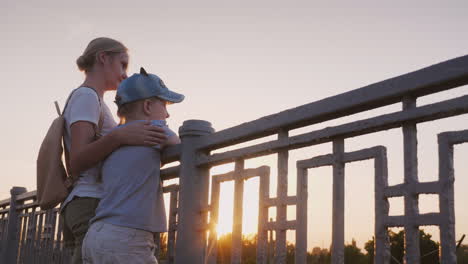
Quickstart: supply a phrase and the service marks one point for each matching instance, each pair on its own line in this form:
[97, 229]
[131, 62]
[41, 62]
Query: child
[132, 208]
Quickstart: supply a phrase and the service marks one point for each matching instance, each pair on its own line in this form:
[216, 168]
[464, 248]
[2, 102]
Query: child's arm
[172, 137]
[172, 140]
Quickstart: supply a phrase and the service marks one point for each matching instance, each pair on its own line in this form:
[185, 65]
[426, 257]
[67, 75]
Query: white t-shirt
[84, 106]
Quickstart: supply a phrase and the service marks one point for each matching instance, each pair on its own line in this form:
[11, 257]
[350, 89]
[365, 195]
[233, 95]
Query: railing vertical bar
[171, 235]
[262, 233]
[10, 244]
[43, 239]
[60, 244]
[214, 211]
[58, 239]
[337, 252]
[38, 237]
[34, 233]
[54, 230]
[24, 232]
[382, 245]
[281, 193]
[301, 216]
[29, 235]
[410, 144]
[204, 174]
[446, 202]
[51, 226]
[236, 254]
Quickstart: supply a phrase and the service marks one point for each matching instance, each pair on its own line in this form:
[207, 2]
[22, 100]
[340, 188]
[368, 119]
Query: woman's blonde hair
[86, 61]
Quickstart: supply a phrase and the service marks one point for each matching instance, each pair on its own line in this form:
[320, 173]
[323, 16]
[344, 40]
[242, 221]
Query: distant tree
[428, 248]
[369, 247]
[462, 254]
[319, 256]
[353, 254]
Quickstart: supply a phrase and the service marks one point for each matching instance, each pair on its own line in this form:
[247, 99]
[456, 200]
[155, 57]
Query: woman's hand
[141, 134]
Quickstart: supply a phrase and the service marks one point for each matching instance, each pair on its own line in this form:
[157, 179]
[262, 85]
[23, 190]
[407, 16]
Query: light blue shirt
[133, 194]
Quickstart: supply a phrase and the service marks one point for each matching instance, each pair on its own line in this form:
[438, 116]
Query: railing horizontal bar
[171, 188]
[26, 196]
[290, 200]
[424, 113]
[395, 190]
[419, 188]
[426, 188]
[223, 177]
[171, 154]
[419, 220]
[456, 137]
[363, 154]
[27, 206]
[251, 173]
[428, 219]
[170, 173]
[315, 162]
[4, 211]
[245, 174]
[288, 225]
[4, 202]
[436, 78]
[395, 221]
[329, 159]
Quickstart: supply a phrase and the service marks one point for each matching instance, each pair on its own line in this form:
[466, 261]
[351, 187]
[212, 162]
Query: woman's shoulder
[84, 94]
[83, 90]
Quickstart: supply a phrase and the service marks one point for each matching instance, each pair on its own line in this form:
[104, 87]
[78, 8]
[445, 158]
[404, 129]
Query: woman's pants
[76, 216]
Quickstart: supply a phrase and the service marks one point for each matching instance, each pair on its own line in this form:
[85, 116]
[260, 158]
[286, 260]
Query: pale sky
[237, 61]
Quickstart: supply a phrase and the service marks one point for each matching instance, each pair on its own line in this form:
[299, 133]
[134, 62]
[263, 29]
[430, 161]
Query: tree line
[429, 250]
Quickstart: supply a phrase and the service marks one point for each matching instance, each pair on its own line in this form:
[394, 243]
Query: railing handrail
[432, 79]
[4, 202]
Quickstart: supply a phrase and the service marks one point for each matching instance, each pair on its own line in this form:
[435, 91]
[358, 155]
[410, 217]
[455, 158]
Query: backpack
[54, 182]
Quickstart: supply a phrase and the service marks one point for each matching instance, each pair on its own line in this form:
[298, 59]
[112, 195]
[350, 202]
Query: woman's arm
[85, 152]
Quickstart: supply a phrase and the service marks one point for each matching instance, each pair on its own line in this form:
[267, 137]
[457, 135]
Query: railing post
[193, 193]
[338, 228]
[10, 246]
[410, 145]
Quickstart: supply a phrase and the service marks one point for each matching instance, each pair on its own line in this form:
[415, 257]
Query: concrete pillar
[281, 193]
[193, 196]
[338, 229]
[236, 254]
[10, 246]
[410, 144]
[446, 202]
[382, 241]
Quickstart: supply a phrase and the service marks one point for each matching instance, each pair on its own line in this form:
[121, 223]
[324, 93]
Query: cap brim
[172, 97]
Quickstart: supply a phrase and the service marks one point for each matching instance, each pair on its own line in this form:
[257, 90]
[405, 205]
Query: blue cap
[142, 86]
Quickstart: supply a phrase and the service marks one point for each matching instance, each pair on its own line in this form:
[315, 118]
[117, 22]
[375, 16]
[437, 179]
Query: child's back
[132, 192]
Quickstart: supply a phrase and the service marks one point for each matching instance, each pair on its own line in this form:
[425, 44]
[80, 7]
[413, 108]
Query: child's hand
[141, 134]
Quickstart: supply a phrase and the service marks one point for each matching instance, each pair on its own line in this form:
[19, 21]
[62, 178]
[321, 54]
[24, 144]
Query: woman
[104, 63]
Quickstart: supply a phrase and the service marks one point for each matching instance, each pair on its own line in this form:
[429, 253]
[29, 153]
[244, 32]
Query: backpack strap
[97, 134]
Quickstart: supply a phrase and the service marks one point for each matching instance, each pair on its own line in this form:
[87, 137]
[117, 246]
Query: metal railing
[27, 232]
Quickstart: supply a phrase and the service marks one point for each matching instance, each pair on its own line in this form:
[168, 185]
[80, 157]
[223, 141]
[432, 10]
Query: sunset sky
[237, 61]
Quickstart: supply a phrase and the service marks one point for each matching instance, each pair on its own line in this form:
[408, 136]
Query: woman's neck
[95, 82]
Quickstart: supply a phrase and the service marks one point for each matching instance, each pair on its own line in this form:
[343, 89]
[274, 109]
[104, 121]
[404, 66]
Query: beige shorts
[106, 243]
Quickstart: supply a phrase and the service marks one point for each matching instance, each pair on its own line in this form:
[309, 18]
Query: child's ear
[147, 107]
